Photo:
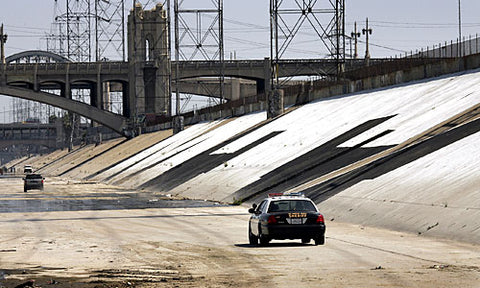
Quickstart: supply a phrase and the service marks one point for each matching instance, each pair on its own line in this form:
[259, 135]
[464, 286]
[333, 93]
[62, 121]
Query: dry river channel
[76, 234]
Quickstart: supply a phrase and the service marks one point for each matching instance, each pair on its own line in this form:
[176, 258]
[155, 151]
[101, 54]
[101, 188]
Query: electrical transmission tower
[74, 22]
[88, 30]
[199, 36]
[321, 24]
[85, 31]
[110, 30]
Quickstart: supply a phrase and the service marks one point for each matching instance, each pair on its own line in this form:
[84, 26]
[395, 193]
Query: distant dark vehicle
[33, 181]
[286, 216]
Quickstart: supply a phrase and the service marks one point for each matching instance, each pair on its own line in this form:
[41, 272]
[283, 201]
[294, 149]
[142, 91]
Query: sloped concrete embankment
[427, 186]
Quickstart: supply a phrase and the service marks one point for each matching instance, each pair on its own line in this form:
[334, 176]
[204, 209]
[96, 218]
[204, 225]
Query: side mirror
[252, 210]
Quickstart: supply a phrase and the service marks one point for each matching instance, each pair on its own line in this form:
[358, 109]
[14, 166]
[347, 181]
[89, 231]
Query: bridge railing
[72, 67]
[43, 133]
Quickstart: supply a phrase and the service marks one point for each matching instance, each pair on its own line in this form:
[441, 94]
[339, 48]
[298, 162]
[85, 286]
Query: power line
[25, 27]
[419, 25]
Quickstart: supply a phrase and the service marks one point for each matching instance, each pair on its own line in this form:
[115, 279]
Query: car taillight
[320, 219]
[272, 219]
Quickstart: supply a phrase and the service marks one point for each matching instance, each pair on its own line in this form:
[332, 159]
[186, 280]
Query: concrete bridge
[68, 75]
[144, 81]
[47, 135]
[28, 80]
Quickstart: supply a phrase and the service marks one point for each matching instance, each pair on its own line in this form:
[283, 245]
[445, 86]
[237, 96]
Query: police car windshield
[291, 205]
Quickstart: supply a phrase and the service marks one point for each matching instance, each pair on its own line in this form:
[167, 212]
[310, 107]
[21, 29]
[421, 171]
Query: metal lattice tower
[199, 36]
[321, 21]
[109, 30]
[75, 19]
[88, 30]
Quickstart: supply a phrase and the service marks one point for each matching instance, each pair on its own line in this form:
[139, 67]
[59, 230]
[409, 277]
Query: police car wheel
[252, 239]
[263, 239]
[320, 240]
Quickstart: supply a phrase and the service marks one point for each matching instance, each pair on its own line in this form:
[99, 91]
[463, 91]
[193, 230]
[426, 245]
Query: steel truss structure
[109, 30]
[326, 21]
[89, 30]
[86, 30]
[199, 34]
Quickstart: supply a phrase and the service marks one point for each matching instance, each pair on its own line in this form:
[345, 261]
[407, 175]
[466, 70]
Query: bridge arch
[35, 56]
[114, 121]
[29, 86]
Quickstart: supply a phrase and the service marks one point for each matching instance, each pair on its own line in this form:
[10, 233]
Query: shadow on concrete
[324, 191]
[318, 162]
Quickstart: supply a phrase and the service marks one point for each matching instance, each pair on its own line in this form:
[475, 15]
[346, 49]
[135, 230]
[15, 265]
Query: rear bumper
[33, 186]
[287, 231]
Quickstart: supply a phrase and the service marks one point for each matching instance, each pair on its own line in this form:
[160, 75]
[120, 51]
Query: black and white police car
[286, 216]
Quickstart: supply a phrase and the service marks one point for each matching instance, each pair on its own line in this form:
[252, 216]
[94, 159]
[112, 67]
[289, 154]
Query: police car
[286, 216]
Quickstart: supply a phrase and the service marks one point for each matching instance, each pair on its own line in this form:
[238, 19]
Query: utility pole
[459, 29]
[3, 39]
[366, 31]
[355, 34]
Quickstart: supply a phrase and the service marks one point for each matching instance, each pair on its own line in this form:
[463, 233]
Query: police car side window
[262, 205]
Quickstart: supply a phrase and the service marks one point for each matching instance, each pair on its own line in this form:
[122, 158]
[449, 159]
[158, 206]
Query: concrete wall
[301, 95]
[428, 70]
[310, 91]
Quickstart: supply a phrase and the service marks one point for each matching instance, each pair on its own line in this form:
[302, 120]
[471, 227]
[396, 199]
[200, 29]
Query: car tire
[252, 239]
[263, 239]
[320, 240]
[305, 240]
[25, 189]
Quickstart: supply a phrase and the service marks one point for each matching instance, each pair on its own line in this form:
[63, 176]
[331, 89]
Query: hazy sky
[398, 26]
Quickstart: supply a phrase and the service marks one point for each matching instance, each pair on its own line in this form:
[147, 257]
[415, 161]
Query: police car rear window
[291, 205]
[34, 176]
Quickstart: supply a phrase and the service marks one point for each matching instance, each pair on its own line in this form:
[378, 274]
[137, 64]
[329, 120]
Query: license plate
[296, 221]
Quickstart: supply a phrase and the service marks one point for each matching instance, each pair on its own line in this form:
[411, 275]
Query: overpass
[68, 75]
[48, 135]
[29, 80]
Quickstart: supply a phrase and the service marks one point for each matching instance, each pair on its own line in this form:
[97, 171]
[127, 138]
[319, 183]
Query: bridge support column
[36, 87]
[67, 93]
[149, 59]
[235, 89]
[127, 111]
[95, 95]
[98, 90]
[178, 124]
[264, 85]
[275, 103]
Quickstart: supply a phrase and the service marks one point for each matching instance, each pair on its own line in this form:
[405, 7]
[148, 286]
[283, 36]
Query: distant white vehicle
[27, 169]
